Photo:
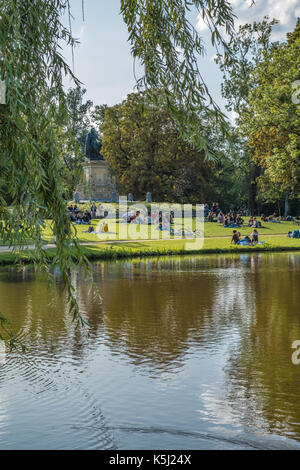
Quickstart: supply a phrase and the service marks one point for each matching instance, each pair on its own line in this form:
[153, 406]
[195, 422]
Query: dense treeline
[255, 167]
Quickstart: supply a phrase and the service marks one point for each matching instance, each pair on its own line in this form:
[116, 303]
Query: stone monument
[98, 182]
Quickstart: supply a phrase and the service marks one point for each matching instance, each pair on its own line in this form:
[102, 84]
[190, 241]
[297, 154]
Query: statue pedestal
[98, 182]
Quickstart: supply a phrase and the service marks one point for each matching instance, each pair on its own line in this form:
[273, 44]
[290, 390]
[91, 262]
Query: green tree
[98, 114]
[248, 48]
[272, 121]
[80, 115]
[79, 124]
[144, 146]
[230, 170]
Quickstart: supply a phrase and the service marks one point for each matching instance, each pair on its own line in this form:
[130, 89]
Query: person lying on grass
[294, 234]
[103, 229]
[246, 241]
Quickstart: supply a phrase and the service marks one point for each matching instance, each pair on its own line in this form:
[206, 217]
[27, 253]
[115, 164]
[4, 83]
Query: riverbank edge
[111, 254]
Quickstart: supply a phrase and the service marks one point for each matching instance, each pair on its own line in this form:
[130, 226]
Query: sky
[103, 62]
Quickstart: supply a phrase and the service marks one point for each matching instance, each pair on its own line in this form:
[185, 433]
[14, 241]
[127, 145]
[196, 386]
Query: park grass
[133, 249]
[121, 231]
[213, 229]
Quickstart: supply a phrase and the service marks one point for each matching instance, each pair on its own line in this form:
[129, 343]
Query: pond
[182, 353]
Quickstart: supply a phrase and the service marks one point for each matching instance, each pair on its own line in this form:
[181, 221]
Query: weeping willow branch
[169, 48]
[33, 120]
[32, 132]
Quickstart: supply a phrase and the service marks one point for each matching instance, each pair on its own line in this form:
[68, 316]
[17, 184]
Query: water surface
[183, 353]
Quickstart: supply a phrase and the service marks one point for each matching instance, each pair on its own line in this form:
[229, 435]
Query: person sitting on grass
[132, 217]
[227, 221]
[250, 221]
[214, 208]
[221, 218]
[139, 219]
[264, 218]
[217, 209]
[254, 236]
[100, 212]
[166, 222]
[239, 220]
[235, 237]
[72, 217]
[93, 210]
[256, 223]
[86, 217]
[210, 217]
[79, 218]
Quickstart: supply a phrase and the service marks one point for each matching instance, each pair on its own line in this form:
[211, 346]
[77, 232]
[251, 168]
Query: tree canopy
[144, 146]
[258, 84]
[273, 119]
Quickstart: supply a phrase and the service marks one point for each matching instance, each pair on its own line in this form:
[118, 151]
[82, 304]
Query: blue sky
[103, 61]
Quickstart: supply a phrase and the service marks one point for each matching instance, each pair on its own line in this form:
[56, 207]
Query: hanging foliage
[35, 114]
[32, 137]
[169, 46]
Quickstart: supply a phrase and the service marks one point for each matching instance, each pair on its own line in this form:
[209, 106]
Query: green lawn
[216, 230]
[114, 250]
[219, 241]
[121, 231]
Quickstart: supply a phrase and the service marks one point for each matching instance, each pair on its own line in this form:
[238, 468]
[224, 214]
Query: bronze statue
[93, 146]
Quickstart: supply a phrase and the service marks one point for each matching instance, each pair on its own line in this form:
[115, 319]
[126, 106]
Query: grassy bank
[121, 231]
[115, 250]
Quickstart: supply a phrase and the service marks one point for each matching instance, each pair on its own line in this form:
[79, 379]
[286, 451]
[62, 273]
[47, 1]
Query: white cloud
[286, 11]
[201, 25]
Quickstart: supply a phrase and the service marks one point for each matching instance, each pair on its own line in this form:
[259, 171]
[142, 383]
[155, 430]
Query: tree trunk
[286, 205]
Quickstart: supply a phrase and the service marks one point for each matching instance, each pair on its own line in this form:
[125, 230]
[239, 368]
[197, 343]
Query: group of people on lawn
[234, 219]
[85, 217]
[238, 240]
[215, 214]
[163, 220]
[231, 219]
